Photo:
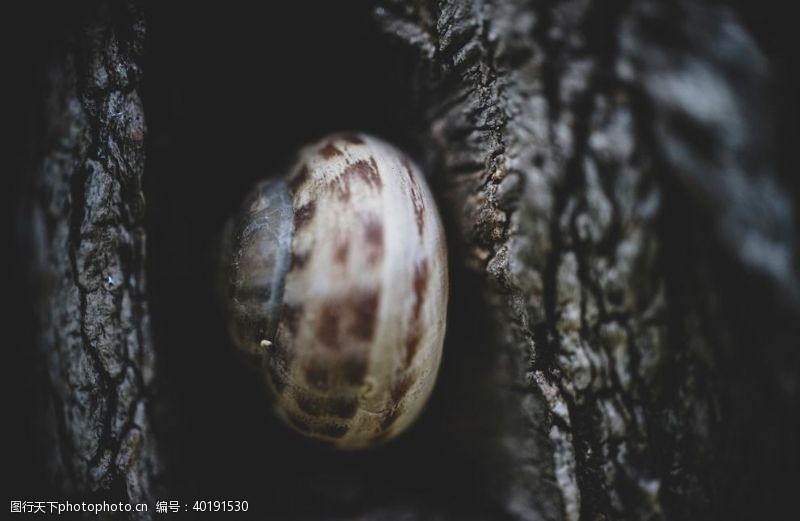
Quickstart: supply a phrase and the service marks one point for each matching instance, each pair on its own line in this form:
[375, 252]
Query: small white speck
[368, 387]
[265, 343]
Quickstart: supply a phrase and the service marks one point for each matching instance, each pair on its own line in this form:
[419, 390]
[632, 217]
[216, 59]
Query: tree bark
[86, 223]
[608, 165]
[608, 182]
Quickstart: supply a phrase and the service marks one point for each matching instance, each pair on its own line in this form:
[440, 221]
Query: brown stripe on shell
[318, 372]
[416, 198]
[329, 151]
[340, 253]
[373, 236]
[328, 326]
[347, 356]
[366, 172]
[299, 260]
[339, 406]
[421, 275]
[412, 344]
[304, 214]
[342, 188]
[365, 313]
[373, 232]
[375, 168]
[354, 367]
[414, 336]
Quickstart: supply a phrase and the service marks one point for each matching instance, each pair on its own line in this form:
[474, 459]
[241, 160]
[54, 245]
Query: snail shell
[337, 287]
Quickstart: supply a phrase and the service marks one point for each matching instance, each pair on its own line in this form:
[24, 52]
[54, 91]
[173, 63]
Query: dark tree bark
[86, 223]
[609, 166]
[607, 176]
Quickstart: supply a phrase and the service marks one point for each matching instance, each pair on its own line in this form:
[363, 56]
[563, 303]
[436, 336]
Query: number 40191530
[221, 506]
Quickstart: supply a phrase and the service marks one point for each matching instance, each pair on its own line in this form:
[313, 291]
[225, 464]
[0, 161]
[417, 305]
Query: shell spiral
[337, 285]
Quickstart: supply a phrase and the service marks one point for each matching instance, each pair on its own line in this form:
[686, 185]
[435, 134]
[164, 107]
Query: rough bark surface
[86, 222]
[606, 172]
[608, 166]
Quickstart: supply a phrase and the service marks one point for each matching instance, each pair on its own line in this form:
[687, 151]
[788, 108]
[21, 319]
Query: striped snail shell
[336, 280]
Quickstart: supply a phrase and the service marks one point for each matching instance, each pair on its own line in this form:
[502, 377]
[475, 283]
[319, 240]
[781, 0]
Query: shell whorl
[259, 263]
[353, 356]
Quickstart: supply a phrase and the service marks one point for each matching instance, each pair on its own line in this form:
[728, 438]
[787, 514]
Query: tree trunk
[610, 169]
[623, 328]
[86, 222]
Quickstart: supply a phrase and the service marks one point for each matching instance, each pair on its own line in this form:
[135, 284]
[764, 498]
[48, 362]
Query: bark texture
[86, 221]
[606, 174]
[608, 165]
